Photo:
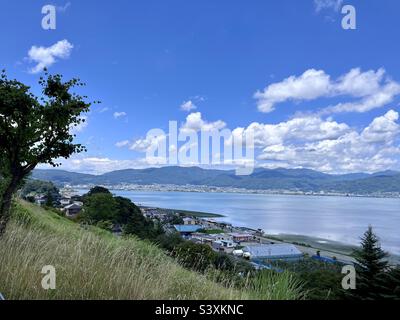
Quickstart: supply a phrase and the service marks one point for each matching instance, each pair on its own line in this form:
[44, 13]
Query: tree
[392, 284]
[99, 207]
[38, 187]
[169, 241]
[125, 209]
[35, 130]
[139, 225]
[371, 266]
[196, 256]
[96, 190]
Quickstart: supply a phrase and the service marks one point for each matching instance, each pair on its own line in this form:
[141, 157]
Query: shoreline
[307, 244]
[214, 189]
[332, 247]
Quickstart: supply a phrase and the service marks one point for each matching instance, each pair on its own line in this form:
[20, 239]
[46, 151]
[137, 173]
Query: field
[91, 263]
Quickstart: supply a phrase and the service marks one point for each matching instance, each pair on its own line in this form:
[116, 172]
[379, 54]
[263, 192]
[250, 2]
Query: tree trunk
[5, 205]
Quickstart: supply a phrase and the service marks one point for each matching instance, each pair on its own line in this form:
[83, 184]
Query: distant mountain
[261, 179]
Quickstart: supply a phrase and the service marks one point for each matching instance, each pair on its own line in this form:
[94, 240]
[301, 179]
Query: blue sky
[327, 97]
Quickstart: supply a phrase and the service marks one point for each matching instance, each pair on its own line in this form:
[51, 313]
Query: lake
[342, 219]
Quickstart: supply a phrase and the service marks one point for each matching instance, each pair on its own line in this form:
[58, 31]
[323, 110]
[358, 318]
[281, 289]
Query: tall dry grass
[93, 264]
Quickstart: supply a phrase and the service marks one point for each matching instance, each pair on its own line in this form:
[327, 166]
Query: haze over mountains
[262, 179]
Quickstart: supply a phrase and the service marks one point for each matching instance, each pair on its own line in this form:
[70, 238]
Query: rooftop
[187, 228]
[272, 250]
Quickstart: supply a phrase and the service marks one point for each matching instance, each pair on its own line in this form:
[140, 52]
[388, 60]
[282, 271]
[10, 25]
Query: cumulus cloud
[188, 106]
[194, 122]
[118, 115]
[45, 57]
[371, 89]
[372, 149]
[304, 142]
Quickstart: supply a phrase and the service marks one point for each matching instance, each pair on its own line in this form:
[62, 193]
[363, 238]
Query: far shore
[213, 189]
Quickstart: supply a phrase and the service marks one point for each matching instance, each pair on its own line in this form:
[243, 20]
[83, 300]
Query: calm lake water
[335, 218]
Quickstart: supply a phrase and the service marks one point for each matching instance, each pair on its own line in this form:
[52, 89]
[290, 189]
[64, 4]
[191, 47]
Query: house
[281, 251]
[202, 238]
[189, 221]
[222, 237]
[72, 210]
[40, 200]
[222, 245]
[241, 237]
[65, 201]
[209, 223]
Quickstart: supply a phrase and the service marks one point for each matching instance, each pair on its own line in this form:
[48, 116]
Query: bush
[169, 241]
[198, 257]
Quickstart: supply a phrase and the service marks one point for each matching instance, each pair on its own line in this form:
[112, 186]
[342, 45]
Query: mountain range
[261, 179]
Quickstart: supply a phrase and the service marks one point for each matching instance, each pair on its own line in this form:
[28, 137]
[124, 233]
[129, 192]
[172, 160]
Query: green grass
[93, 264]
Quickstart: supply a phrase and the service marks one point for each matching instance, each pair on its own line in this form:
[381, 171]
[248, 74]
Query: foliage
[99, 207]
[125, 209]
[198, 257]
[105, 224]
[38, 187]
[267, 284]
[370, 267]
[174, 219]
[92, 264]
[169, 241]
[35, 130]
[320, 279]
[392, 284]
[97, 190]
[142, 227]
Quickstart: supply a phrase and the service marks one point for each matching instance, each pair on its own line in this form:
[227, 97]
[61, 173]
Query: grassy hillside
[93, 264]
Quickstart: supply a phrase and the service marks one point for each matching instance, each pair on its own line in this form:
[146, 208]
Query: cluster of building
[67, 202]
[70, 203]
[240, 242]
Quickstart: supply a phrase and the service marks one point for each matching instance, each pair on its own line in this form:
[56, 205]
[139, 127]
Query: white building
[281, 251]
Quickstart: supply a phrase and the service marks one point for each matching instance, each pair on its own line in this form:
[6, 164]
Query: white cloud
[47, 56]
[118, 115]
[63, 8]
[372, 88]
[188, 106]
[373, 149]
[194, 122]
[105, 109]
[99, 165]
[143, 145]
[306, 142]
[327, 4]
[121, 144]
[310, 85]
